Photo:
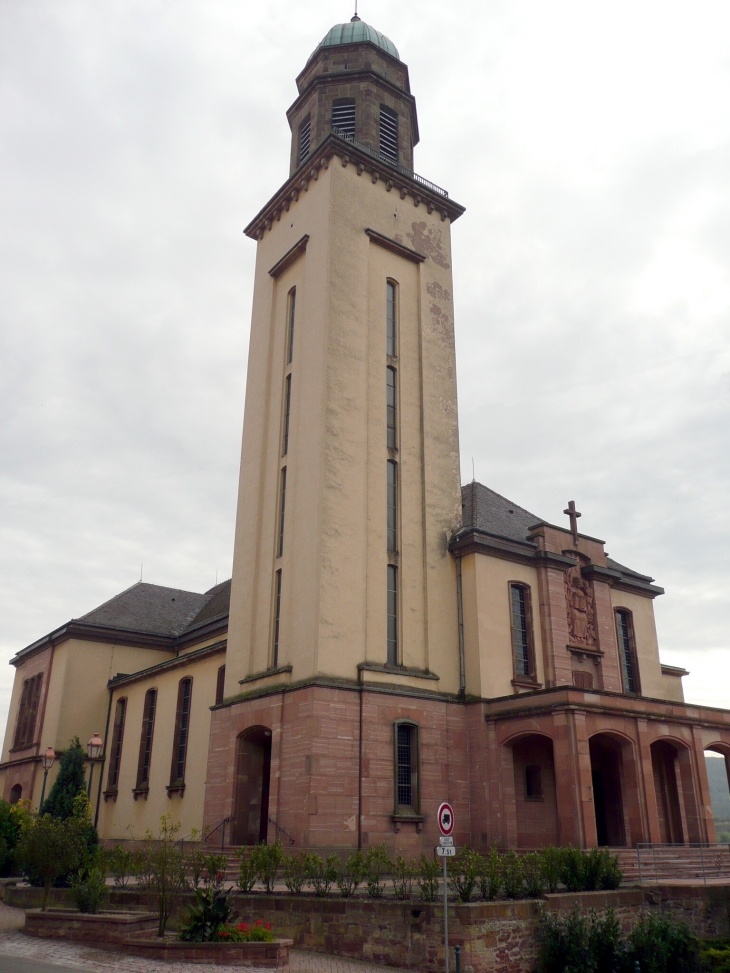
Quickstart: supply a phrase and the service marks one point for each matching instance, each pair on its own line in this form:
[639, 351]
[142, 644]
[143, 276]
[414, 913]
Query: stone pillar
[653, 831]
[574, 792]
[695, 830]
[606, 632]
[554, 619]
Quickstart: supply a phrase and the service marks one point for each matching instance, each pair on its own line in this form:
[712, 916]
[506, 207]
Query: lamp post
[47, 760]
[94, 748]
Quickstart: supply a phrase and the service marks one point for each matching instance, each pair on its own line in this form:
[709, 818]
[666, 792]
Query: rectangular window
[287, 407]
[521, 634]
[305, 137]
[145, 743]
[406, 768]
[533, 782]
[27, 712]
[282, 509]
[115, 752]
[392, 615]
[388, 134]
[390, 345]
[626, 645]
[290, 328]
[220, 685]
[277, 620]
[182, 731]
[390, 408]
[343, 118]
[582, 679]
[392, 506]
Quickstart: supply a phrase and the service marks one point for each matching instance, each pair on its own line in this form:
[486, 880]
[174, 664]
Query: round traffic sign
[446, 818]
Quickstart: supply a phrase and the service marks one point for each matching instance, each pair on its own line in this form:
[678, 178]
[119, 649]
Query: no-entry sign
[446, 818]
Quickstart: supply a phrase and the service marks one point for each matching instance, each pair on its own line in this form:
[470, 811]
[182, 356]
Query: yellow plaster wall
[487, 623]
[334, 561]
[126, 818]
[653, 682]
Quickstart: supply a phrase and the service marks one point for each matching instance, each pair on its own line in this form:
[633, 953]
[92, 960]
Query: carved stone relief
[581, 610]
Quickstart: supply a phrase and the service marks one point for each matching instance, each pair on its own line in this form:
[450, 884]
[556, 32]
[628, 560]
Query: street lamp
[94, 748]
[47, 760]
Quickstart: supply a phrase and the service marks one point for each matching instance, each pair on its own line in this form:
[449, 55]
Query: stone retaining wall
[495, 937]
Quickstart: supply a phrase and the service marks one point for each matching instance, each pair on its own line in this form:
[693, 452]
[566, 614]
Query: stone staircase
[690, 863]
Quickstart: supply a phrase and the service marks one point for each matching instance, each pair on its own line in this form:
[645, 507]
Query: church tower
[349, 487]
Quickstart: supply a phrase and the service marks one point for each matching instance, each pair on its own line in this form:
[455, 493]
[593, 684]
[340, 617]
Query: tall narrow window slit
[277, 620]
[305, 138]
[290, 326]
[626, 650]
[392, 615]
[282, 510]
[405, 765]
[390, 344]
[115, 752]
[391, 414]
[182, 731]
[287, 408]
[145, 746]
[392, 520]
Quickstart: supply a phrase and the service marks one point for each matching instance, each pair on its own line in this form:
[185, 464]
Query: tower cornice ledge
[347, 152]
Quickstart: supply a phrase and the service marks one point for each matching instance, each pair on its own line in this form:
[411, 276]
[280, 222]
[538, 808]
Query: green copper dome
[356, 32]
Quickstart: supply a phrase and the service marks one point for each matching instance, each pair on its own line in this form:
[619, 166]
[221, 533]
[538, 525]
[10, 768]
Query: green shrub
[295, 872]
[122, 865]
[49, 848]
[247, 869]
[377, 865]
[428, 878]
[533, 875]
[552, 864]
[214, 871]
[571, 869]
[321, 873]
[490, 875]
[464, 873]
[352, 875]
[610, 875]
[513, 881]
[10, 825]
[563, 942]
[605, 944]
[211, 911]
[267, 860]
[661, 945]
[70, 782]
[162, 866]
[89, 889]
[715, 955]
[403, 875]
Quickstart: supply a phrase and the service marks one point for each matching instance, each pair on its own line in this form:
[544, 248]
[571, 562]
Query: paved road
[25, 954]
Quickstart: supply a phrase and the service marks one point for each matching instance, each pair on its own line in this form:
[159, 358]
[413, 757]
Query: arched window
[388, 134]
[115, 752]
[391, 346]
[145, 743]
[220, 685]
[16, 792]
[627, 650]
[27, 712]
[522, 638]
[343, 117]
[305, 138]
[406, 783]
[182, 733]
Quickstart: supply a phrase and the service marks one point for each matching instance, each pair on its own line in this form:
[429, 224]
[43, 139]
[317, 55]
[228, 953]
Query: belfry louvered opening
[305, 138]
[388, 134]
[343, 116]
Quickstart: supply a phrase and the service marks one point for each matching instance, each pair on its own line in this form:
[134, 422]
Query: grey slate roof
[483, 509]
[160, 611]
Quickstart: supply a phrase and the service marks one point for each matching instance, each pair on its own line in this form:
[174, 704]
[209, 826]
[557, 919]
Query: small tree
[50, 848]
[71, 782]
[164, 864]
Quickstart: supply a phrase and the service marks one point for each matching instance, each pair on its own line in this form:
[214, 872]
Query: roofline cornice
[320, 158]
[181, 660]
[95, 633]
[356, 44]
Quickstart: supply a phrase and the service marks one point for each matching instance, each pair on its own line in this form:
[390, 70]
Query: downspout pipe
[460, 609]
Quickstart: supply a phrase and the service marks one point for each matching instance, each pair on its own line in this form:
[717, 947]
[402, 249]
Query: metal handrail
[394, 165]
[279, 828]
[655, 864]
[221, 824]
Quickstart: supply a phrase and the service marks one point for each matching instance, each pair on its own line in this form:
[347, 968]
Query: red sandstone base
[274, 956]
[106, 927]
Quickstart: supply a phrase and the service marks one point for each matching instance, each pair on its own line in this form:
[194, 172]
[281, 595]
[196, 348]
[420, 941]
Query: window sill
[140, 792]
[400, 819]
[524, 682]
[111, 794]
[175, 789]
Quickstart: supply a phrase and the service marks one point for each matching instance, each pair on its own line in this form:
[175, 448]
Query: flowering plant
[259, 932]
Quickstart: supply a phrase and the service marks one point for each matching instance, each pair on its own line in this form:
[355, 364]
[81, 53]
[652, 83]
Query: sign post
[446, 850]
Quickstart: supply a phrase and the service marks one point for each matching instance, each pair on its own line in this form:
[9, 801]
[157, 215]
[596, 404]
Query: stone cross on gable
[574, 515]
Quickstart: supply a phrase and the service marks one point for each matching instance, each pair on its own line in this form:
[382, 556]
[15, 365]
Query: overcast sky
[590, 144]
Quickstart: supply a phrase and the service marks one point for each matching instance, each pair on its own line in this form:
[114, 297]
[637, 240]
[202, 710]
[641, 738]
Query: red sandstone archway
[664, 759]
[536, 809]
[607, 778]
[251, 793]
